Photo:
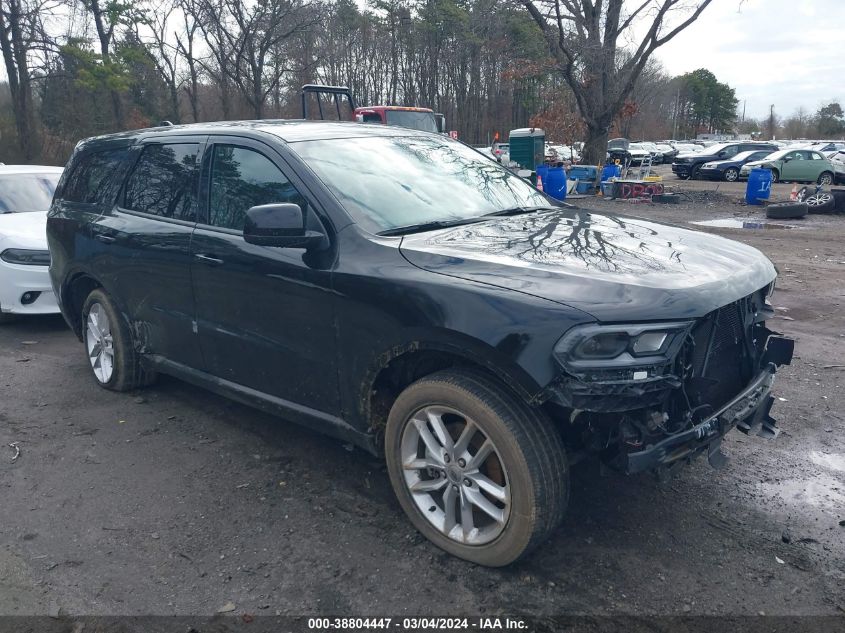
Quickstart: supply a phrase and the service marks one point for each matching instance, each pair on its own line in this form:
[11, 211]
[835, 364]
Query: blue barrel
[554, 183]
[759, 185]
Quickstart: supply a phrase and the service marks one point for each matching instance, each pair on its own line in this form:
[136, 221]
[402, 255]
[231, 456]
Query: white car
[837, 159]
[25, 195]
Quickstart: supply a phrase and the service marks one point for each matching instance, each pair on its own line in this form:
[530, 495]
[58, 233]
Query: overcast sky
[789, 53]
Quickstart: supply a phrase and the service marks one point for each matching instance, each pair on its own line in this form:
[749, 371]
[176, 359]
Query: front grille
[720, 367]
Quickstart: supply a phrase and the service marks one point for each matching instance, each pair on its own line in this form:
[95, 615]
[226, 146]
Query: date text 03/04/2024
[418, 624]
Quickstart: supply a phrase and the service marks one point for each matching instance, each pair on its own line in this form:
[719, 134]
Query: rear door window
[242, 178]
[164, 182]
[96, 177]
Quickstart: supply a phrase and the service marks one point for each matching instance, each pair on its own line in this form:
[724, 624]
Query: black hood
[614, 268]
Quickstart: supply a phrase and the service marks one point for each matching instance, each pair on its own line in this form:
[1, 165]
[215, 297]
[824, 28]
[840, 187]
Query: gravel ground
[175, 501]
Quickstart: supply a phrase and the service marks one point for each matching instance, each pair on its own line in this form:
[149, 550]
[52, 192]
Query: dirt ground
[175, 501]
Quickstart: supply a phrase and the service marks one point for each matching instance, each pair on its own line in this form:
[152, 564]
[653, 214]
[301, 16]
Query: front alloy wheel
[479, 472]
[455, 475]
[731, 174]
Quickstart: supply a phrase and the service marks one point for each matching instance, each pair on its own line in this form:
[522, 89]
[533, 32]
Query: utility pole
[675, 122]
[772, 122]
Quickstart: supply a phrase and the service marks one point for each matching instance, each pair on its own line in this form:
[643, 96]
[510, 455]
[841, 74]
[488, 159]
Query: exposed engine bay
[656, 416]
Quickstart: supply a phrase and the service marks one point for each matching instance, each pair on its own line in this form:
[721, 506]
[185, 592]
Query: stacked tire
[821, 202]
[787, 210]
[838, 200]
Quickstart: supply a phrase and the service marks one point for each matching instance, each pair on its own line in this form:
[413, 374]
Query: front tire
[481, 474]
[775, 175]
[731, 174]
[114, 361]
[826, 178]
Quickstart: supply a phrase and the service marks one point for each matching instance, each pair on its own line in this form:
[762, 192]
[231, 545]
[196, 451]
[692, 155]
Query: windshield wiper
[519, 211]
[427, 226]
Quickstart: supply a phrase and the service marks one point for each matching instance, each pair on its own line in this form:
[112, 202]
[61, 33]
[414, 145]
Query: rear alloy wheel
[114, 361]
[480, 473]
[826, 178]
[821, 202]
[731, 174]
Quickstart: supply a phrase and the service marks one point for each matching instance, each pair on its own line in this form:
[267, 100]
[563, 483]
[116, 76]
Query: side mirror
[722, 154]
[786, 159]
[281, 225]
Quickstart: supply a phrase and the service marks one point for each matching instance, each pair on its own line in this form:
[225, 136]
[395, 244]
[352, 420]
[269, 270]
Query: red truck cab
[415, 118]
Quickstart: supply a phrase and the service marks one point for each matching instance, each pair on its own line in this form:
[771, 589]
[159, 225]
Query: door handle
[206, 259]
[106, 239]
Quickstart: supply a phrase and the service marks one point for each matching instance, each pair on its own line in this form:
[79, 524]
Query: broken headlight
[620, 346]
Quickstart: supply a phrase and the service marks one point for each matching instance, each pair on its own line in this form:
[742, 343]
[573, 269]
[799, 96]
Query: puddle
[740, 223]
[821, 492]
[828, 460]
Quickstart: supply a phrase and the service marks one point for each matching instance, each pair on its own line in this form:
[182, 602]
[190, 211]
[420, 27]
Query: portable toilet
[527, 147]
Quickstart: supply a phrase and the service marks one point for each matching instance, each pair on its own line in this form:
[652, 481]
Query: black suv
[688, 165]
[401, 291]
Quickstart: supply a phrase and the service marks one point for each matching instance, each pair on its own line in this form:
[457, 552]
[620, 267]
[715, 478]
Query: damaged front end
[653, 396]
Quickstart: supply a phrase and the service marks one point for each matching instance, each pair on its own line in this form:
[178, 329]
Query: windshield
[22, 193]
[423, 121]
[756, 153]
[778, 155]
[388, 182]
[715, 149]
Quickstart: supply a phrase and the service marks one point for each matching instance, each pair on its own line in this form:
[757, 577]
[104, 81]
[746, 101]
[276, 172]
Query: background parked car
[837, 159]
[25, 195]
[501, 152]
[668, 151]
[686, 148]
[564, 152]
[651, 148]
[797, 165]
[638, 153]
[688, 165]
[729, 169]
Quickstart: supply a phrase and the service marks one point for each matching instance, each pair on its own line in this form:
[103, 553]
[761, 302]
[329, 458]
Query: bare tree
[584, 36]
[186, 45]
[163, 54]
[260, 30]
[19, 33]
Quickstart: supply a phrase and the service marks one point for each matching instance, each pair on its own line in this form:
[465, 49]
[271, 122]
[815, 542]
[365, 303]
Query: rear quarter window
[95, 178]
[164, 182]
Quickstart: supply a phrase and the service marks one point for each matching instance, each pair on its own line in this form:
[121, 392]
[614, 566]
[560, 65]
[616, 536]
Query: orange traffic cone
[539, 182]
[794, 194]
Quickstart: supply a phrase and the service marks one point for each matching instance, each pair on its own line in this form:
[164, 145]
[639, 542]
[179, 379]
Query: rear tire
[694, 172]
[115, 363]
[826, 178]
[523, 472]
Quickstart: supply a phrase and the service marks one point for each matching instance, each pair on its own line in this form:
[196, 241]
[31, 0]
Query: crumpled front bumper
[748, 410]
